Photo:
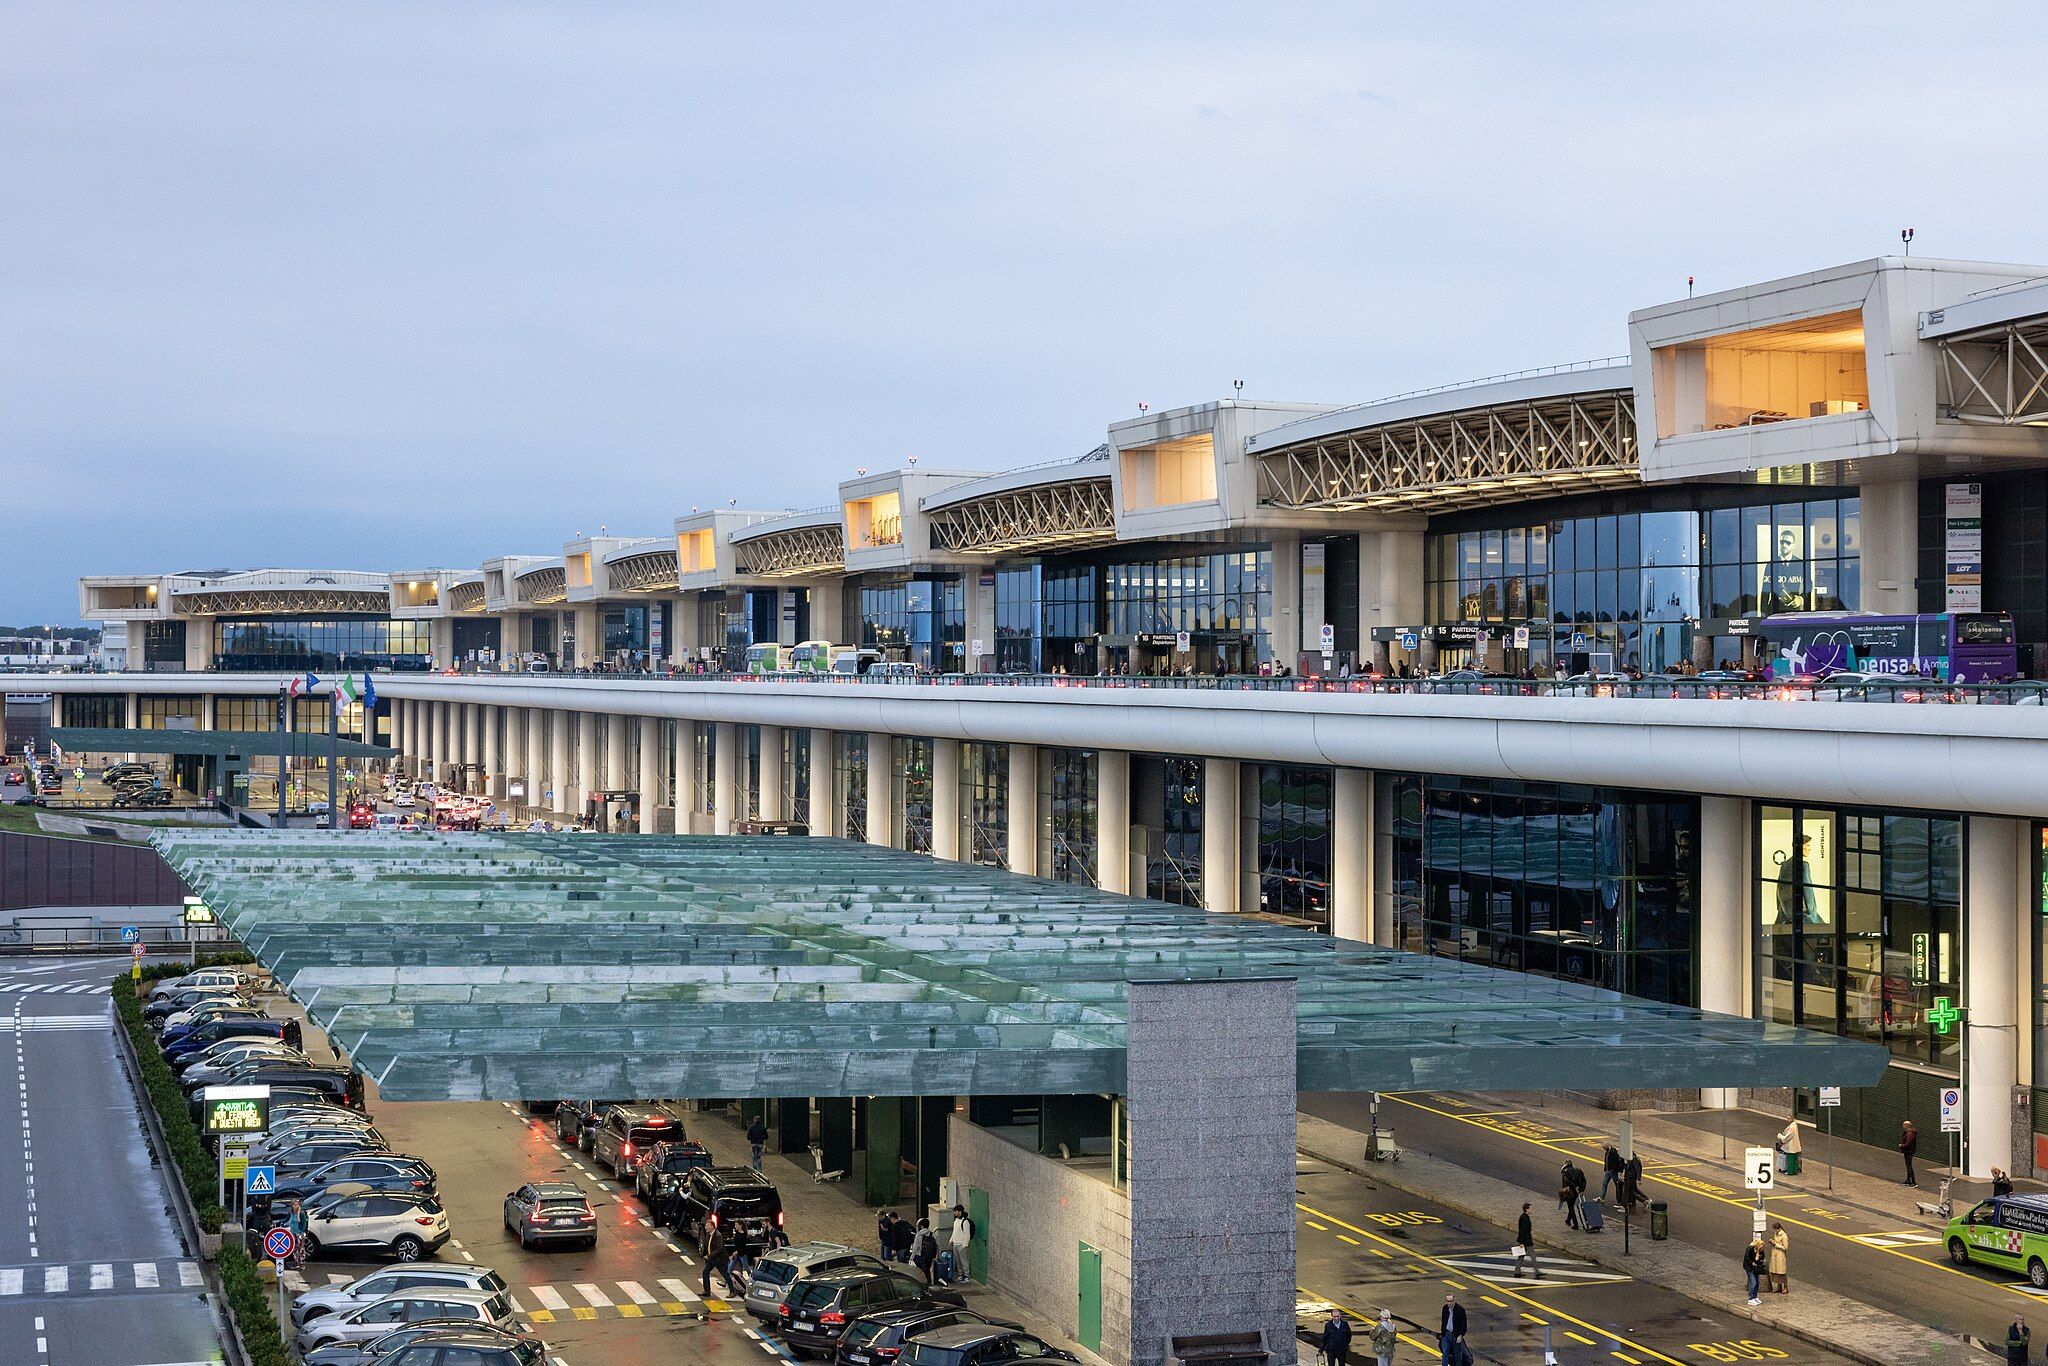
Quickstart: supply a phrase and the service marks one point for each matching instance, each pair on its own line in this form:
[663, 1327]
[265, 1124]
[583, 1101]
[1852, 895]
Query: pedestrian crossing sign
[260, 1180]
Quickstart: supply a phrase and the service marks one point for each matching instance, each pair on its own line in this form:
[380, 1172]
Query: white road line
[636, 1292]
[592, 1296]
[145, 1276]
[189, 1275]
[102, 1276]
[56, 1279]
[677, 1290]
[549, 1297]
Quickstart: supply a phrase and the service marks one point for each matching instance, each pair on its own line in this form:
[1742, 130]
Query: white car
[407, 1226]
[210, 1070]
[339, 1299]
[285, 1140]
[404, 798]
[378, 1317]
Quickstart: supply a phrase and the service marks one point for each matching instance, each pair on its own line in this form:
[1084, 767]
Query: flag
[345, 692]
[369, 692]
[298, 685]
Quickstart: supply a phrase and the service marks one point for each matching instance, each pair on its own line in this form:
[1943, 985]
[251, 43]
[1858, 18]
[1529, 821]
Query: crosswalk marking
[549, 1297]
[592, 1296]
[56, 1280]
[1499, 1267]
[189, 1275]
[677, 1289]
[55, 989]
[10, 1282]
[1907, 1238]
[145, 1275]
[636, 1292]
[102, 1276]
[84, 1278]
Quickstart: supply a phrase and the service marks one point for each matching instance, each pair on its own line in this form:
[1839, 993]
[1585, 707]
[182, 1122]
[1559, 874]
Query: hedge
[196, 1167]
[250, 1300]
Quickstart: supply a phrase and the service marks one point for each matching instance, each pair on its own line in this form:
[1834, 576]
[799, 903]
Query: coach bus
[1955, 647]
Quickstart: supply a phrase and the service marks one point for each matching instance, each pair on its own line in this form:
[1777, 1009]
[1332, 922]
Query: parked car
[721, 1204]
[659, 1180]
[144, 797]
[399, 1172]
[380, 1349]
[407, 1226]
[379, 1316]
[877, 1339]
[334, 1299]
[968, 1345]
[469, 1347]
[625, 1134]
[574, 1119]
[206, 1071]
[817, 1310]
[237, 1027]
[776, 1272]
[551, 1212]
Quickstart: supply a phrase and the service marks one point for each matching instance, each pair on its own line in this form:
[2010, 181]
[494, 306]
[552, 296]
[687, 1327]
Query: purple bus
[1955, 647]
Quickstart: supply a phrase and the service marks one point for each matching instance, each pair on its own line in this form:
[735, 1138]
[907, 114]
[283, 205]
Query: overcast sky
[375, 286]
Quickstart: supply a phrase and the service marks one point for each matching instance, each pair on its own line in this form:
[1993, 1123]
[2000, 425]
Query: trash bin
[1660, 1221]
[1792, 1164]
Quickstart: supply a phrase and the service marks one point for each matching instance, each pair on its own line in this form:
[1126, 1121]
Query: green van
[2006, 1230]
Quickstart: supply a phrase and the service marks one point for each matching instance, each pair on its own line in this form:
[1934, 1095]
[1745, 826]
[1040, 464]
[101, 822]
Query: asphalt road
[1863, 1253]
[1366, 1247]
[91, 1272]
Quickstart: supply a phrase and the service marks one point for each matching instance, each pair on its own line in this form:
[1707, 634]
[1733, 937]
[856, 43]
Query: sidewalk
[1845, 1326]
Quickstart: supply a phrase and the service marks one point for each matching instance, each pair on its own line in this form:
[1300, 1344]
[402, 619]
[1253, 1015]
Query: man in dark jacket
[1335, 1343]
[1571, 1188]
[1632, 1181]
[1450, 1335]
[757, 1139]
[1610, 1171]
[885, 1234]
[1525, 1245]
[1909, 1145]
[2016, 1340]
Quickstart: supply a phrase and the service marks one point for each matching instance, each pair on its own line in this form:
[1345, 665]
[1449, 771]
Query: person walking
[2017, 1340]
[961, 1238]
[1755, 1262]
[718, 1259]
[1571, 1188]
[2001, 1184]
[1525, 1245]
[757, 1139]
[1450, 1333]
[906, 1239]
[1632, 1181]
[1610, 1172]
[924, 1250]
[1788, 1148]
[1776, 1262]
[885, 1234]
[739, 1268]
[1909, 1146]
[1382, 1336]
[1335, 1343]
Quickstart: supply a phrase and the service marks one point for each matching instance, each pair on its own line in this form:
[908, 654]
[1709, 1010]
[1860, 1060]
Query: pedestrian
[1610, 1172]
[1571, 1188]
[1335, 1343]
[1909, 1145]
[739, 1268]
[718, 1259]
[1383, 1335]
[1450, 1333]
[1776, 1265]
[1632, 1180]
[961, 1239]
[924, 1250]
[295, 1220]
[906, 1238]
[757, 1139]
[1755, 1261]
[885, 1234]
[1788, 1148]
[294, 1035]
[1525, 1245]
[2001, 1184]
[2017, 1339]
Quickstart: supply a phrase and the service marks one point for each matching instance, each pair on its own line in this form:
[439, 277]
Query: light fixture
[860, 470]
[913, 460]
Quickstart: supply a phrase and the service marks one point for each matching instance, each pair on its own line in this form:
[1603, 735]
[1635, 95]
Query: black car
[574, 1119]
[659, 1180]
[724, 1204]
[877, 1339]
[379, 1171]
[815, 1312]
[967, 1345]
[469, 1347]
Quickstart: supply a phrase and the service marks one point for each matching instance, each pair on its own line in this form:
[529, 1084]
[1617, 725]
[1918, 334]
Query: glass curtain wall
[167, 713]
[851, 761]
[922, 621]
[163, 645]
[796, 773]
[1066, 799]
[985, 803]
[1294, 842]
[298, 644]
[1046, 618]
[1859, 925]
[1223, 599]
[914, 792]
[1166, 798]
[111, 713]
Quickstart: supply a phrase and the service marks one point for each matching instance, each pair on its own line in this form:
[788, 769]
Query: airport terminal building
[1096, 640]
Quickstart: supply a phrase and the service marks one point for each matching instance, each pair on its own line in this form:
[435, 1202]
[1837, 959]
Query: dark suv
[720, 1204]
[968, 1345]
[659, 1180]
[626, 1133]
[816, 1312]
[877, 1339]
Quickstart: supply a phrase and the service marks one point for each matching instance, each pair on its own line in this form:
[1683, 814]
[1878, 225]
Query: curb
[1614, 1262]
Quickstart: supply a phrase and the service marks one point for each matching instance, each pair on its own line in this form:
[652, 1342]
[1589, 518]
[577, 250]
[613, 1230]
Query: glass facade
[1173, 859]
[985, 803]
[1046, 618]
[476, 638]
[110, 713]
[1859, 925]
[914, 792]
[298, 644]
[1593, 885]
[796, 773]
[922, 621]
[1066, 801]
[172, 713]
[851, 762]
[163, 644]
[1638, 583]
[1294, 841]
[1223, 599]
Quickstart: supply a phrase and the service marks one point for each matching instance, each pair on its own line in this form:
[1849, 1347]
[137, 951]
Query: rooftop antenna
[1144, 407]
[1906, 236]
[860, 469]
[1239, 385]
[913, 459]
[1688, 286]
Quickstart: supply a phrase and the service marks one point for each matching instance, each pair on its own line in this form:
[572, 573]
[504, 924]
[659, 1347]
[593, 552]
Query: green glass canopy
[218, 743]
[475, 966]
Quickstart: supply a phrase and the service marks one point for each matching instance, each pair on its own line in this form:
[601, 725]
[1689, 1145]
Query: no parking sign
[280, 1243]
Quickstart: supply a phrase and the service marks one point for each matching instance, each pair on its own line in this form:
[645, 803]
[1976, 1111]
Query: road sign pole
[1831, 1147]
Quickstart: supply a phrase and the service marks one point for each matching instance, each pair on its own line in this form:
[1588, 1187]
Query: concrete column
[430, 741]
[725, 778]
[770, 801]
[686, 759]
[1023, 822]
[561, 783]
[400, 737]
[946, 799]
[513, 760]
[493, 760]
[1724, 919]
[651, 796]
[1386, 930]
[588, 756]
[883, 817]
[473, 734]
[1390, 591]
[1891, 546]
[536, 756]
[1993, 898]
[615, 753]
[824, 785]
[1351, 854]
[589, 632]
[1287, 623]
[1113, 820]
[1220, 834]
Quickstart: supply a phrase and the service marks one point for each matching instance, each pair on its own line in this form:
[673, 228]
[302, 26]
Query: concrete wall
[1040, 1211]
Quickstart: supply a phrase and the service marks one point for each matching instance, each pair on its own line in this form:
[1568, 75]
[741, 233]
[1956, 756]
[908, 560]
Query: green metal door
[1089, 1320]
[977, 1251]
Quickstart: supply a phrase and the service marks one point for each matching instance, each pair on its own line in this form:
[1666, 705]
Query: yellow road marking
[1511, 1294]
[1533, 1319]
[1417, 1343]
[631, 1311]
[1580, 1337]
[674, 1307]
[1497, 1304]
[1320, 1228]
[1382, 1252]
[1455, 1285]
[1347, 1238]
[1726, 1200]
[582, 1313]
[1626, 1357]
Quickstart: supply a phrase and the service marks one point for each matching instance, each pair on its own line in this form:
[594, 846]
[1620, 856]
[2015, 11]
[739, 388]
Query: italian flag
[345, 692]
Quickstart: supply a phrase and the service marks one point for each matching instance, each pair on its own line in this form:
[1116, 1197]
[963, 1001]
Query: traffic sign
[1759, 1168]
[1326, 637]
[136, 953]
[1830, 1097]
[280, 1243]
[234, 1160]
[130, 933]
[1411, 640]
[260, 1180]
[1951, 1110]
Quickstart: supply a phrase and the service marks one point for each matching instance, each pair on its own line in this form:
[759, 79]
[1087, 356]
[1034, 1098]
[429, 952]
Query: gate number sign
[1759, 1168]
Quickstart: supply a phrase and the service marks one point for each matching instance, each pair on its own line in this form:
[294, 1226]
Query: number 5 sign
[1759, 1168]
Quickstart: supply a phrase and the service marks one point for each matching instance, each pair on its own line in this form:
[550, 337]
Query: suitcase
[944, 1270]
[1592, 1216]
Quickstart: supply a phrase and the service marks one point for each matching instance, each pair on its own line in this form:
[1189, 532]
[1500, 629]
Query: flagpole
[283, 748]
[334, 756]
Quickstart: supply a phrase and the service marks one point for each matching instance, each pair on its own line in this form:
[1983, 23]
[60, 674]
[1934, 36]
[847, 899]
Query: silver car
[776, 1272]
[339, 1299]
[367, 1321]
